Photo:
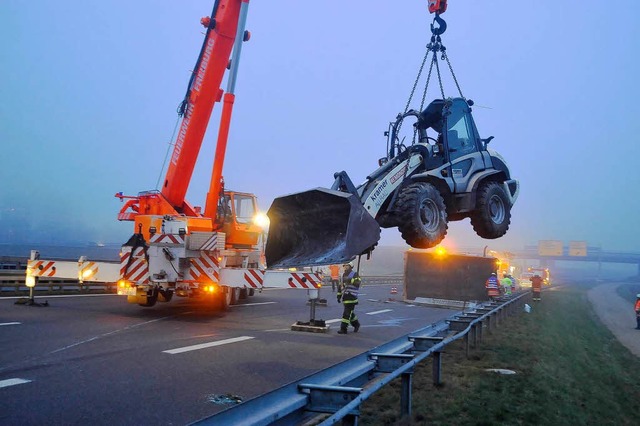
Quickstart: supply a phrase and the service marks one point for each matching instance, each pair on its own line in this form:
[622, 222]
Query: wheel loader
[448, 173]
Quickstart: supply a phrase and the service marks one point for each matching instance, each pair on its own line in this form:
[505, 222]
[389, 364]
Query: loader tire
[492, 215]
[422, 215]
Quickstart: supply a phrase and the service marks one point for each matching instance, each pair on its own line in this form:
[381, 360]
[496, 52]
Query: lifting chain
[435, 46]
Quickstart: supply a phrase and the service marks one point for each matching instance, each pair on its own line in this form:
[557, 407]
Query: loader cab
[460, 135]
[464, 151]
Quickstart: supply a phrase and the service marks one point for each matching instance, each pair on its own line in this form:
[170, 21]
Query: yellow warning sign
[549, 248]
[577, 248]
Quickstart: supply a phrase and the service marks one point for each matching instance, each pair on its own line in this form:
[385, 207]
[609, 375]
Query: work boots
[342, 331]
[356, 326]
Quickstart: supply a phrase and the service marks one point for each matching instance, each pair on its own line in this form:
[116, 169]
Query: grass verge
[570, 371]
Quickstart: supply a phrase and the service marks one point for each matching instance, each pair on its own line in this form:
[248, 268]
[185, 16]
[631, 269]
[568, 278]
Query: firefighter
[637, 309]
[348, 295]
[334, 271]
[536, 286]
[506, 285]
[492, 286]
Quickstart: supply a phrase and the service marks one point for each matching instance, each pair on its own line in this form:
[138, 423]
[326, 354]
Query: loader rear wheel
[422, 215]
[492, 215]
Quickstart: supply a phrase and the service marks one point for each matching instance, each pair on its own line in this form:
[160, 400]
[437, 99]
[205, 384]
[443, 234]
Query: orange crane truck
[177, 249]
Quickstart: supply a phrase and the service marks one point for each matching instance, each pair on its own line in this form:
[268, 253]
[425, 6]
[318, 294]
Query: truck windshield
[244, 208]
[460, 134]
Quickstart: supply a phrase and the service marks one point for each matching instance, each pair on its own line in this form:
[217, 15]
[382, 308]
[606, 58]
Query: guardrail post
[437, 368]
[405, 395]
[388, 363]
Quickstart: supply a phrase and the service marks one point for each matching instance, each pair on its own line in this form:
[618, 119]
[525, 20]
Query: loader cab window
[460, 133]
[244, 208]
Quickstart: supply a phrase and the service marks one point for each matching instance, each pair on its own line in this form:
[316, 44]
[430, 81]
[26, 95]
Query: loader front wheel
[492, 215]
[422, 215]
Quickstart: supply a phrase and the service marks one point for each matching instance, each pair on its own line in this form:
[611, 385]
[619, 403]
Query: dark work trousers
[348, 314]
[638, 320]
[334, 284]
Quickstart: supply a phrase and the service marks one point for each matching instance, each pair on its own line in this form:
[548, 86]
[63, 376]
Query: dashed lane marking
[252, 304]
[379, 312]
[12, 382]
[10, 323]
[207, 345]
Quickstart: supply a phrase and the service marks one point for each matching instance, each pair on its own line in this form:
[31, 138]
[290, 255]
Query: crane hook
[441, 28]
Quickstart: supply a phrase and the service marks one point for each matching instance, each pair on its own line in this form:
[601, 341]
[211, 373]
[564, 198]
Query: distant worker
[493, 286]
[334, 272]
[637, 308]
[506, 285]
[514, 282]
[348, 295]
[536, 286]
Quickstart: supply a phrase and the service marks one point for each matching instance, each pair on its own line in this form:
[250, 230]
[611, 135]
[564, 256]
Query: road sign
[577, 248]
[549, 248]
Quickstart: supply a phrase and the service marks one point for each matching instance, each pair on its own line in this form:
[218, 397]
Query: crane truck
[176, 248]
[448, 173]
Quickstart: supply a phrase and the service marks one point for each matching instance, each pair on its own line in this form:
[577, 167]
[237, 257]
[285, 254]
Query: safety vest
[334, 270]
[637, 307]
[351, 286]
[536, 283]
[492, 286]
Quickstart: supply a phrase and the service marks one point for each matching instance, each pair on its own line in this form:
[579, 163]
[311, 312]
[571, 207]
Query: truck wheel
[422, 215]
[151, 300]
[492, 215]
[225, 298]
[235, 295]
[244, 293]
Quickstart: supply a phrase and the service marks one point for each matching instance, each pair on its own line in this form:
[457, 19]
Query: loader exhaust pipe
[318, 227]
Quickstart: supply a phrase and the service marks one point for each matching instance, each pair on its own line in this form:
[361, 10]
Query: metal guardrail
[336, 393]
[14, 282]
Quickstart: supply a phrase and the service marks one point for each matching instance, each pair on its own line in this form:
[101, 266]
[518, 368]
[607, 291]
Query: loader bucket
[318, 227]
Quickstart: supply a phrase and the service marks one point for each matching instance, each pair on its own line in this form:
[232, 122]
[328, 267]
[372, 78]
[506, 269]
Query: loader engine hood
[499, 163]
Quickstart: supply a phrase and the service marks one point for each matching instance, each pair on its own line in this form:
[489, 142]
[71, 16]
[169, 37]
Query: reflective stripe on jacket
[351, 286]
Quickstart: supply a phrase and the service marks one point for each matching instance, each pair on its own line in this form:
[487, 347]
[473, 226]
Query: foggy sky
[90, 89]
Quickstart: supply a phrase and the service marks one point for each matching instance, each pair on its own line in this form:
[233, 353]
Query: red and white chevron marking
[89, 269]
[166, 239]
[304, 280]
[42, 268]
[254, 278]
[204, 268]
[136, 271]
[211, 244]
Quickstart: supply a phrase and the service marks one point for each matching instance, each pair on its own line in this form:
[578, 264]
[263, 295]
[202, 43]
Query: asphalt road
[617, 314]
[98, 360]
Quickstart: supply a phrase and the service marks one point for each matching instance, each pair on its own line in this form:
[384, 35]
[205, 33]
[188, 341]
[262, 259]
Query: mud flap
[318, 227]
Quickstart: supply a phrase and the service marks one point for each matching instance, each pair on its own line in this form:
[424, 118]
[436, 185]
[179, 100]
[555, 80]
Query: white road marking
[10, 323]
[109, 334]
[379, 312]
[12, 382]
[39, 297]
[207, 345]
[252, 304]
